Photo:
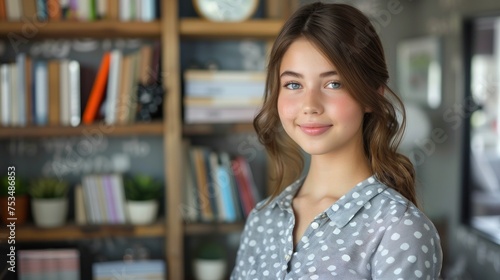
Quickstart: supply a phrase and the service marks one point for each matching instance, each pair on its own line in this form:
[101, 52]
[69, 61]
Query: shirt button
[287, 257]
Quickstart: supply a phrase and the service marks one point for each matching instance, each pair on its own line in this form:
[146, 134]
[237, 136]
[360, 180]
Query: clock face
[226, 10]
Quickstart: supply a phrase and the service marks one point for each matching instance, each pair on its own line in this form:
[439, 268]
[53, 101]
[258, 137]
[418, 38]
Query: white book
[113, 87]
[41, 93]
[119, 197]
[83, 11]
[13, 9]
[5, 94]
[64, 92]
[125, 12]
[21, 88]
[224, 89]
[74, 93]
[14, 95]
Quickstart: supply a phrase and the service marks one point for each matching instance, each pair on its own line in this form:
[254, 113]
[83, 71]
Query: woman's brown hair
[350, 42]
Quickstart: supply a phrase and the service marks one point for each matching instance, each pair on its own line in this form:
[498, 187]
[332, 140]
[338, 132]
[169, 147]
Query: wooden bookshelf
[213, 129]
[206, 228]
[76, 29]
[257, 28]
[152, 128]
[31, 233]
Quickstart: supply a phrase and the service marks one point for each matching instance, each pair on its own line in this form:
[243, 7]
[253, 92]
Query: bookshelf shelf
[213, 129]
[75, 29]
[201, 228]
[258, 28]
[31, 233]
[153, 128]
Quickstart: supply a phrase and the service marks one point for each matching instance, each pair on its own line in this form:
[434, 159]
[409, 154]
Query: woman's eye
[334, 85]
[292, 86]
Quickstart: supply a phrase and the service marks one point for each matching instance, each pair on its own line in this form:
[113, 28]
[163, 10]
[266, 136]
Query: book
[201, 114]
[64, 90]
[80, 213]
[74, 93]
[227, 84]
[113, 87]
[142, 269]
[40, 93]
[5, 94]
[98, 90]
[54, 93]
[54, 10]
[13, 10]
[21, 88]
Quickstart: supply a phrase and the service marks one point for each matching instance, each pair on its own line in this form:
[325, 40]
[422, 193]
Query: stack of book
[222, 96]
[49, 264]
[83, 10]
[100, 200]
[218, 187]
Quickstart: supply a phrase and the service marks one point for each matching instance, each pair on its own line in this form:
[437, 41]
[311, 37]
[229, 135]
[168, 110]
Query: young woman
[354, 214]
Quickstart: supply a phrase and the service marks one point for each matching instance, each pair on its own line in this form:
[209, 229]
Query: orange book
[97, 92]
[54, 10]
[3, 12]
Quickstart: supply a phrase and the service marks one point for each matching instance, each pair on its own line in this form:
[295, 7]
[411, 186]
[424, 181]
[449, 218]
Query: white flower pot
[209, 269]
[142, 212]
[49, 212]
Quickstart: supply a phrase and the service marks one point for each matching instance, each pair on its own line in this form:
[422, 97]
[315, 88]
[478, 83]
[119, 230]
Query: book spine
[113, 86]
[74, 93]
[41, 93]
[5, 94]
[21, 88]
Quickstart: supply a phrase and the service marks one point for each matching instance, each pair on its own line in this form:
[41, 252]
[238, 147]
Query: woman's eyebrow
[298, 75]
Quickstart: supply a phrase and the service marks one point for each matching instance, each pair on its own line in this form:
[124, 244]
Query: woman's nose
[312, 102]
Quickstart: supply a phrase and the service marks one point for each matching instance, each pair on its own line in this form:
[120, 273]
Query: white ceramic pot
[209, 269]
[142, 212]
[49, 212]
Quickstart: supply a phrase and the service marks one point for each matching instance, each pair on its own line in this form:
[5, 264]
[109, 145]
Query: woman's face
[316, 111]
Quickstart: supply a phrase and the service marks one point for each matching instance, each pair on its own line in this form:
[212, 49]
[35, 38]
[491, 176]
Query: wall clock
[226, 10]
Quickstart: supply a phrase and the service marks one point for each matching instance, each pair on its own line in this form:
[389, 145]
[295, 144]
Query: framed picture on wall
[419, 71]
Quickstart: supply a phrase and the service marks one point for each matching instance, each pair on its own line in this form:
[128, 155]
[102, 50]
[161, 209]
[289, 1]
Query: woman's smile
[314, 129]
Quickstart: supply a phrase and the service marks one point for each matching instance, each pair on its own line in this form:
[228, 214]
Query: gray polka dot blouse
[372, 232]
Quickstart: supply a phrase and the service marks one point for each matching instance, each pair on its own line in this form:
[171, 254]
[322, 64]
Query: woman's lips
[314, 130]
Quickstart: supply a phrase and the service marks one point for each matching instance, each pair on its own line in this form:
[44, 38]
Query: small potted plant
[142, 193]
[49, 202]
[13, 200]
[210, 261]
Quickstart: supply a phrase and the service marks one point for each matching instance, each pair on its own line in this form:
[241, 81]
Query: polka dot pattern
[372, 232]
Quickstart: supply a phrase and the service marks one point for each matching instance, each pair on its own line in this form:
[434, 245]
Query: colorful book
[98, 90]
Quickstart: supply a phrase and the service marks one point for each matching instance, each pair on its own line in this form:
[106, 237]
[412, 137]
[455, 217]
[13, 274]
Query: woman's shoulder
[404, 216]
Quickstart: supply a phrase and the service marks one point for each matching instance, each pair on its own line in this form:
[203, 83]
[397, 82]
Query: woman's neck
[335, 175]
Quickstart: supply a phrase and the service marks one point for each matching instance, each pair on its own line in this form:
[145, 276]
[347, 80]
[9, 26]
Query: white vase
[209, 269]
[142, 212]
[49, 212]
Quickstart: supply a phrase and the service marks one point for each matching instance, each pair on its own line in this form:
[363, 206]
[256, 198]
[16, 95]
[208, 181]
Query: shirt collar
[344, 209]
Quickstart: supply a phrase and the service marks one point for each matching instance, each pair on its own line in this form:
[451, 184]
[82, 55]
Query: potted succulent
[142, 193]
[13, 193]
[49, 202]
[210, 261]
